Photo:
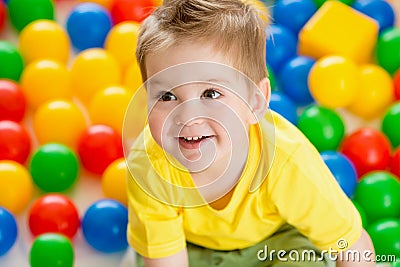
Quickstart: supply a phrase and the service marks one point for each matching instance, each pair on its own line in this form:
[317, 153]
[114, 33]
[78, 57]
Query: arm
[179, 259]
[365, 250]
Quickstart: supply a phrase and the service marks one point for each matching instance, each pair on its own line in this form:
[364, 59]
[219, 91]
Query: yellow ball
[132, 78]
[44, 39]
[43, 80]
[93, 70]
[59, 121]
[16, 187]
[113, 181]
[121, 42]
[334, 81]
[377, 92]
[108, 107]
[105, 3]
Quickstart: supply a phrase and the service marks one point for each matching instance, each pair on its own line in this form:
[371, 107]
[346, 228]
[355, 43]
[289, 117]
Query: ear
[260, 100]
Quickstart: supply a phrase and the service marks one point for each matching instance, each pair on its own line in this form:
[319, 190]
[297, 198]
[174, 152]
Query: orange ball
[44, 39]
[59, 121]
[132, 77]
[114, 181]
[44, 80]
[16, 187]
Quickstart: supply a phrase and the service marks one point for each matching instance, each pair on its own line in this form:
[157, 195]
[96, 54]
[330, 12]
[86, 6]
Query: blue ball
[342, 169]
[379, 10]
[293, 79]
[281, 104]
[104, 226]
[88, 25]
[8, 231]
[281, 46]
[293, 14]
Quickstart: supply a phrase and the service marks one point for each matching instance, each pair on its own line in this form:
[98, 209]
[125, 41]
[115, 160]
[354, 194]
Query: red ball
[395, 163]
[368, 149]
[12, 100]
[396, 82]
[2, 15]
[138, 10]
[15, 142]
[98, 147]
[54, 213]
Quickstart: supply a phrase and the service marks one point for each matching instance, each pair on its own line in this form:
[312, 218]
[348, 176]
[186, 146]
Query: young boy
[217, 180]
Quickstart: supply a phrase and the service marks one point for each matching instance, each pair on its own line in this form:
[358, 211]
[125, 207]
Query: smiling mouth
[193, 142]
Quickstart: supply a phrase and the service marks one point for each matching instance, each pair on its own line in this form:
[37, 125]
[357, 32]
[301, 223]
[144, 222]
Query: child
[217, 180]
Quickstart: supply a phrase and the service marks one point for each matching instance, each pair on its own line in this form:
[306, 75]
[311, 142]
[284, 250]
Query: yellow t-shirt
[299, 189]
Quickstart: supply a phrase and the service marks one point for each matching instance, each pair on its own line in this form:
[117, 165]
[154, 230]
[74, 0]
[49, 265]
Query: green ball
[319, 3]
[272, 79]
[51, 250]
[23, 12]
[388, 49]
[362, 214]
[391, 124]
[385, 235]
[322, 126]
[12, 64]
[54, 167]
[378, 193]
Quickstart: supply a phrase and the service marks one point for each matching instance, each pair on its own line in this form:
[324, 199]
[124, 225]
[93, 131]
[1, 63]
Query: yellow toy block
[339, 29]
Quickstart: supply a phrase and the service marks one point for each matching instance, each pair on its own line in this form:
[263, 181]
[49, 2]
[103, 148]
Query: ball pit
[91, 73]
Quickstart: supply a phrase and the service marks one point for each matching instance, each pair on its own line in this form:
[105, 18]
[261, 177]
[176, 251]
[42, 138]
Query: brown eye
[168, 96]
[211, 93]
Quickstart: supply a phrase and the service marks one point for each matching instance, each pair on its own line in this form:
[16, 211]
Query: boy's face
[199, 108]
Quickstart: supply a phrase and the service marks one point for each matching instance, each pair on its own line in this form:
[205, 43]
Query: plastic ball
[378, 193]
[321, 2]
[123, 10]
[98, 147]
[379, 10]
[284, 106]
[377, 92]
[44, 39]
[16, 188]
[281, 46]
[12, 101]
[59, 121]
[114, 181]
[12, 62]
[23, 12]
[104, 226]
[322, 126]
[53, 213]
[132, 77]
[395, 163]
[54, 167]
[107, 4]
[116, 99]
[368, 149]
[342, 169]
[45, 80]
[88, 25]
[293, 79]
[8, 231]
[334, 81]
[293, 14]
[15, 142]
[121, 42]
[361, 211]
[396, 83]
[388, 49]
[51, 250]
[93, 70]
[272, 79]
[385, 237]
[3, 15]
[391, 124]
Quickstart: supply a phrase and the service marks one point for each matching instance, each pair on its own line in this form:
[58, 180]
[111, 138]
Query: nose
[189, 113]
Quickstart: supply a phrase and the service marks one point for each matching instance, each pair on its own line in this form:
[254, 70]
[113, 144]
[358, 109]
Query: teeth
[195, 138]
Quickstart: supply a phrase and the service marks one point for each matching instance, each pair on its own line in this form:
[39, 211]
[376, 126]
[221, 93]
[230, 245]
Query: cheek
[156, 124]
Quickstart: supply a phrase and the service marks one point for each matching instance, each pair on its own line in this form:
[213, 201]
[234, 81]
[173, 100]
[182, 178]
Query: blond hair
[235, 28]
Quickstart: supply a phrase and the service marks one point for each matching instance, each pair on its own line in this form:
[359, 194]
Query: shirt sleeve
[154, 229]
[307, 196]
